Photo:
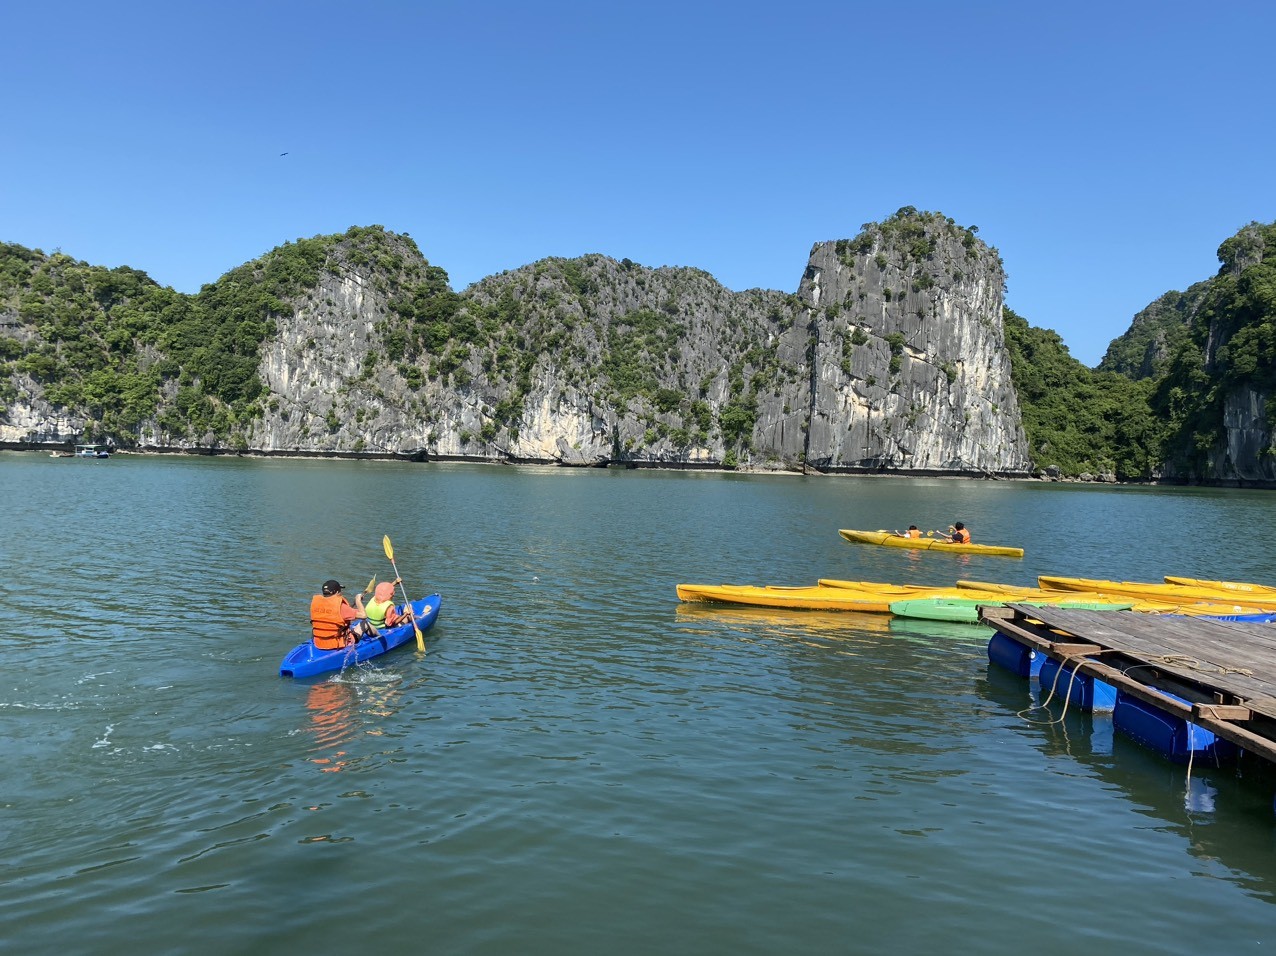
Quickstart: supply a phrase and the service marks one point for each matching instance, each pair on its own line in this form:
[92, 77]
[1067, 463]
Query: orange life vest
[962, 536]
[912, 533]
[328, 625]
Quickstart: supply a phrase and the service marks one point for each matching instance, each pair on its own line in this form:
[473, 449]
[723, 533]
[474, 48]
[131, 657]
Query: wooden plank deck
[1226, 669]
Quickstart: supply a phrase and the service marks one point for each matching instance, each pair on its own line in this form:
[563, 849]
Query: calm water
[578, 763]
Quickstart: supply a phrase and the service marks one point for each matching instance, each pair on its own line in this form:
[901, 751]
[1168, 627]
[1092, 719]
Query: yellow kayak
[872, 585]
[1001, 593]
[1241, 586]
[1143, 604]
[891, 540]
[997, 588]
[826, 598]
[903, 592]
[880, 587]
[808, 598]
[1175, 593]
[1034, 594]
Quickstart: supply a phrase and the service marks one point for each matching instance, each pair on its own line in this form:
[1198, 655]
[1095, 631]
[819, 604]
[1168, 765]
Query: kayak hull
[1144, 603]
[904, 592]
[890, 540]
[825, 596]
[1179, 593]
[967, 610]
[800, 598]
[306, 660]
[1243, 587]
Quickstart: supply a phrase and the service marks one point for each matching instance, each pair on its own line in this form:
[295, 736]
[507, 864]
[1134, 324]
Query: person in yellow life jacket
[333, 622]
[959, 534]
[381, 610]
[912, 532]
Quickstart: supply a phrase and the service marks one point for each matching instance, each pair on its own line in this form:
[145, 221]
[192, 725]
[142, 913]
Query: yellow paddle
[389, 553]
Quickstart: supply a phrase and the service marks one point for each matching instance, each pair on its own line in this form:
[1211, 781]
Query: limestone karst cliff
[908, 361]
[889, 356]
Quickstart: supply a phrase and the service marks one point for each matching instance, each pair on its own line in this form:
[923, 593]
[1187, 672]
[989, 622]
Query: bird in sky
[283, 154]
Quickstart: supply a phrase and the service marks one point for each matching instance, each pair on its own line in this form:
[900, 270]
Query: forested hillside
[1187, 393]
[1079, 420]
[1217, 394]
[119, 348]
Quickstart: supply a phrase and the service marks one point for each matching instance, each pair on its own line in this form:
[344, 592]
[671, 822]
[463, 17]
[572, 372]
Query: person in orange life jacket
[381, 610]
[912, 532]
[333, 622]
[959, 534]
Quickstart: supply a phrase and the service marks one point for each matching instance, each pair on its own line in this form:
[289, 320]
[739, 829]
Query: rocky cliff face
[909, 365]
[1244, 455]
[898, 365]
[889, 356]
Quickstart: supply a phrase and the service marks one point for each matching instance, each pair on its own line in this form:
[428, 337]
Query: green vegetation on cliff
[1156, 404]
[911, 232]
[1076, 419]
[1144, 350]
[89, 335]
[1230, 347]
[117, 348]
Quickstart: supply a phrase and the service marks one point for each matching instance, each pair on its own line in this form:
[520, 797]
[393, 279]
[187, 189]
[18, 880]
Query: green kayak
[966, 610]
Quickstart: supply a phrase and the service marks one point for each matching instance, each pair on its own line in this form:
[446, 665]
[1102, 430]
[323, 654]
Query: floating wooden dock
[1223, 671]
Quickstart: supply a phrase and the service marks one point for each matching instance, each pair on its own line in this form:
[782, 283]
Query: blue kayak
[1267, 617]
[306, 660]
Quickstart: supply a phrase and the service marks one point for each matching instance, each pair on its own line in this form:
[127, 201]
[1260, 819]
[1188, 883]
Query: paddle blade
[420, 638]
[371, 585]
[389, 550]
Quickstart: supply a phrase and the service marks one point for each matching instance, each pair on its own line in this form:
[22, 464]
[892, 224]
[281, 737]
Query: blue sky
[1105, 148]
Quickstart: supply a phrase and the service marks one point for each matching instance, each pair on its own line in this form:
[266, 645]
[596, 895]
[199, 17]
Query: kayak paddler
[333, 622]
[380, 609]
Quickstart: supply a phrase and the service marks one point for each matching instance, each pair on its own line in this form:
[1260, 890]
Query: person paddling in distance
[958, 533]
[381, 610]
[333, 622]
[912, 532]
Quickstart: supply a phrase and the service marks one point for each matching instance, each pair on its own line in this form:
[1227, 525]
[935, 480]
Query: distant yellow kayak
[891, 540]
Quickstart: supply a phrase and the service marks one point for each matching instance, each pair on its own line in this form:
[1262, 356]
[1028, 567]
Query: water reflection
[782, 623]
[357, 702]
[331, 705]
[1224, 814]
[927, 631]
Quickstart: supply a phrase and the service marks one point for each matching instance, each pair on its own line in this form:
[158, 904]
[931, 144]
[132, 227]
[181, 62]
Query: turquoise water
[578, 762]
